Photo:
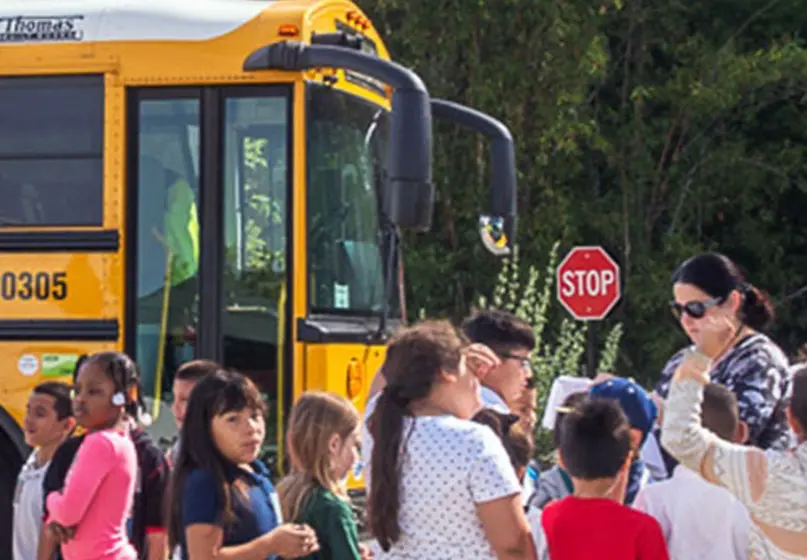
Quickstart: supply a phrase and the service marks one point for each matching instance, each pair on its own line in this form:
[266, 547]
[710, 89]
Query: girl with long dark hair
[223, 504]
[441, 486]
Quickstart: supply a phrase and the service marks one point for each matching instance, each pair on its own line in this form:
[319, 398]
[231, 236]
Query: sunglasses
[695, 309]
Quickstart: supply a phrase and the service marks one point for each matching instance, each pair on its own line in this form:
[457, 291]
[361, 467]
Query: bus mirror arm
[498, 227]
[409, 192]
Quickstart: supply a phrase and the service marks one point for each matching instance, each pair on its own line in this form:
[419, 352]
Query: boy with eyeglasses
[512, 340]
[509, 387]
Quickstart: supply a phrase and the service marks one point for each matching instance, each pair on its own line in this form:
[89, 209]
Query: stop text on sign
[588, 283]
[591, 282]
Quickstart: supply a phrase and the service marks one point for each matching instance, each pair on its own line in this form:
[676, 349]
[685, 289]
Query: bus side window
[51, 151]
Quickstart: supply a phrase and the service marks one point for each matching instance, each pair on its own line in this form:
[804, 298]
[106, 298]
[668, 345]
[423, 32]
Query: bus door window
[256, 169]
[167, 240]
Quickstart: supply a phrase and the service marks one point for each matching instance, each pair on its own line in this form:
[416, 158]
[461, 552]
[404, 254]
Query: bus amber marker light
[354, 378]
[288, 30]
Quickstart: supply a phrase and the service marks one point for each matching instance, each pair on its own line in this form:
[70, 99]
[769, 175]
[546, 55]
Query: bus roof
[172, 42]
[25, 22]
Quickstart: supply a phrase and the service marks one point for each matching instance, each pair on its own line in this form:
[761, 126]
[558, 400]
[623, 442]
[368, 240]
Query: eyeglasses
[695, 309]
[526, 363]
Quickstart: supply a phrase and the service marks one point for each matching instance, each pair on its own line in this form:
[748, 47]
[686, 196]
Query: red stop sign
[588, 283]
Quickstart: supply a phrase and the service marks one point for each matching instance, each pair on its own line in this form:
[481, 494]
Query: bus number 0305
[33, 285]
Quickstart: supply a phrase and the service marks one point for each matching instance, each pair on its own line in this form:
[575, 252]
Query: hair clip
[564, 409]
[118, 399]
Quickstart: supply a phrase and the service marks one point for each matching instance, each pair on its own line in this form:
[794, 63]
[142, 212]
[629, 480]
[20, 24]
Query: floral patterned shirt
[756, 370]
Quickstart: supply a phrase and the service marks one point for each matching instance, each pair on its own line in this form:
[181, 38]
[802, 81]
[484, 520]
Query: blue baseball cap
[633, 400]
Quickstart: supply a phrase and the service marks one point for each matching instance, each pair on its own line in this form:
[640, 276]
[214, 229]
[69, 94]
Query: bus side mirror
[408, 197]
[408, 191]
[497, 227]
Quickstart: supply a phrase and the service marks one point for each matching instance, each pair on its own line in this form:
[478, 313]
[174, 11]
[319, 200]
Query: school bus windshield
[346, 141]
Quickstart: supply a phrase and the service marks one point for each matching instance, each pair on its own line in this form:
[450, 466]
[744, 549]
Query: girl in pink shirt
[90, 513]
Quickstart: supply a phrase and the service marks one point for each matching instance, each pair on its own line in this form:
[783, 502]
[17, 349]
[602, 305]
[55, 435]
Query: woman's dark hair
[122, 370]
[215, 394]
[718, 276]
[415, 357]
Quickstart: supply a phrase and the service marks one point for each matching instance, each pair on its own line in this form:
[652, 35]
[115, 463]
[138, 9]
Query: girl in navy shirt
[223, 504]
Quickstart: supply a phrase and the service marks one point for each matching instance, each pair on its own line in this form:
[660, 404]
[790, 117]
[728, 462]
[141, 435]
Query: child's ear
[560, 460]
[334, 444]
[447, 377]
[69, 424]
[636, 437]
[741, 435]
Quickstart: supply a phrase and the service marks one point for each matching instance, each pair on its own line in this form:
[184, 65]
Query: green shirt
[333, 521]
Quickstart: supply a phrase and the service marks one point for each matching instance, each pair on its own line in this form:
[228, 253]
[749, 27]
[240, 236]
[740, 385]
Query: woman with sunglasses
[743, 359]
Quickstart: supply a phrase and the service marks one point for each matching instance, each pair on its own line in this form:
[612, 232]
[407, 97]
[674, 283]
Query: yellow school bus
[220, 179]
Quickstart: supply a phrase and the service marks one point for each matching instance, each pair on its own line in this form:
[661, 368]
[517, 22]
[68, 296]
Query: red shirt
[586, 528]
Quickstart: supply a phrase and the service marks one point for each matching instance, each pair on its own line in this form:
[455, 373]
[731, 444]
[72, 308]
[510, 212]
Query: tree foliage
[656, 129]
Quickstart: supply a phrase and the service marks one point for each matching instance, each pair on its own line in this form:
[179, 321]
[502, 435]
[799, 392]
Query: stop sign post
[588, 283]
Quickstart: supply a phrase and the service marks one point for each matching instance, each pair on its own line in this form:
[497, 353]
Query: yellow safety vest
[182, 232]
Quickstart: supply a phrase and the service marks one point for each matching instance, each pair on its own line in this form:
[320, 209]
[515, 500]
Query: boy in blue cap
[641, 412]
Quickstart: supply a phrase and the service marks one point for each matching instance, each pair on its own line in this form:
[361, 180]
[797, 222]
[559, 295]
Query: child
[641, 413]
[702, 521]
[520, 448]
[507, 427]
[555, 484]
[771, 484]
[97, 497]
[596, 451]
[48, 421]
[147, 526]
[222, 502]
[185, 380]
[323, 438]
[54, 479]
